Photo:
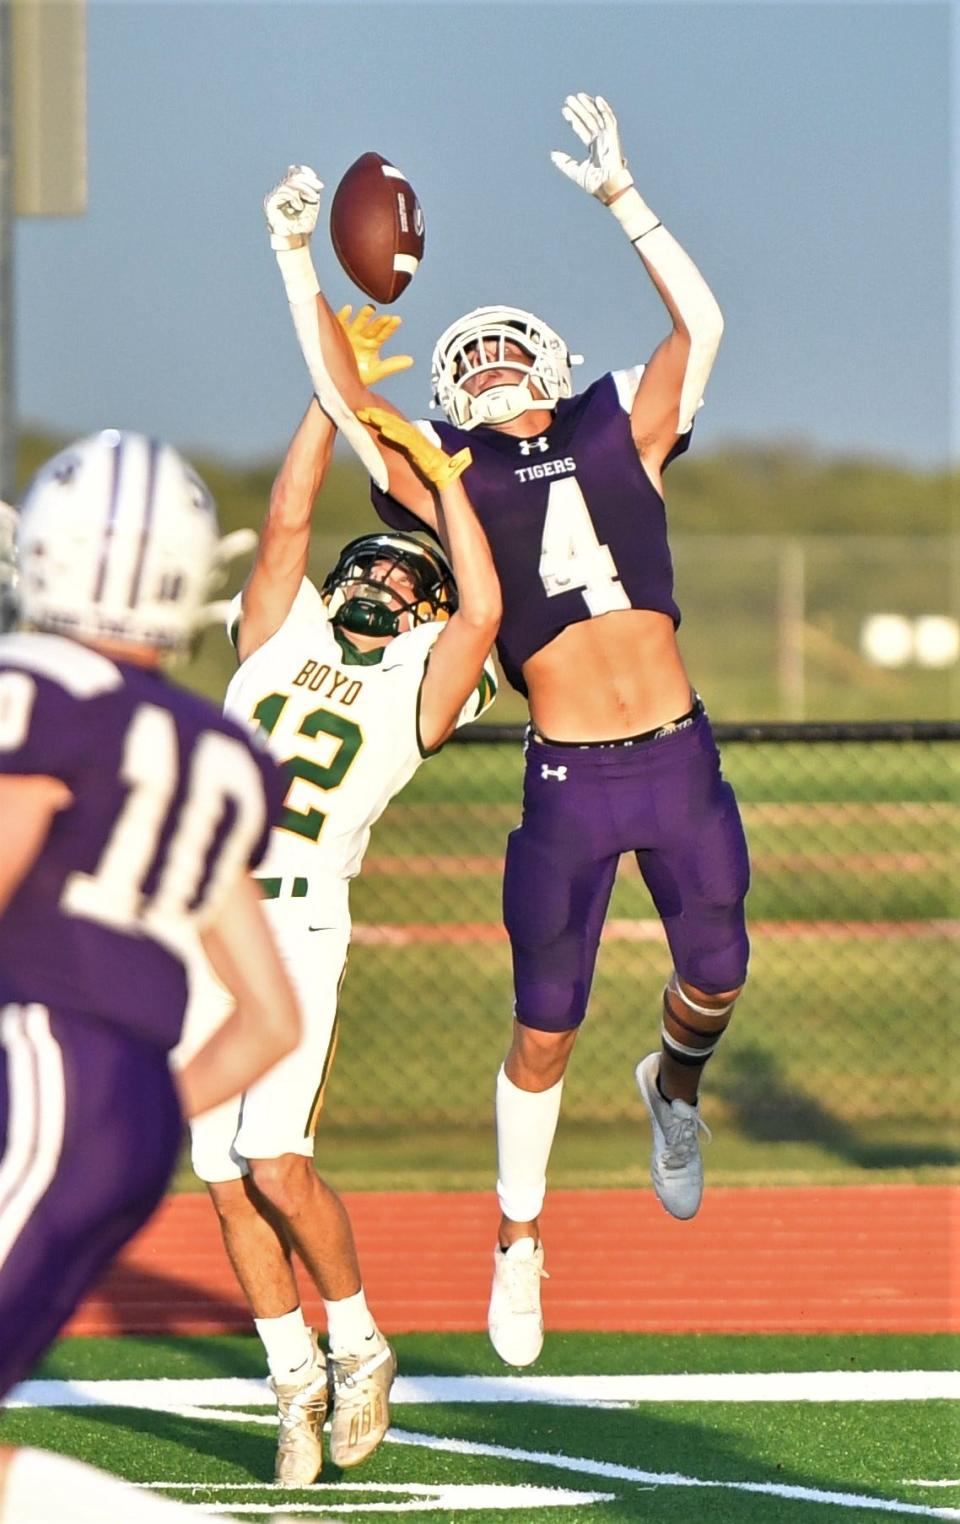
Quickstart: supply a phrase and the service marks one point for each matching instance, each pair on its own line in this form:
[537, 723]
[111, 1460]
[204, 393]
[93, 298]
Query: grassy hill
[742, 489]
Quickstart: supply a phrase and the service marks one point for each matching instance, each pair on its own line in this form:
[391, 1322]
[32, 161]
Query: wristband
[633, 214]
[299, 276]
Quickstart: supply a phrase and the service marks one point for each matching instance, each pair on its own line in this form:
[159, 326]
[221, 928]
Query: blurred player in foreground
[620, 755]
[131, 813]
[354, 686]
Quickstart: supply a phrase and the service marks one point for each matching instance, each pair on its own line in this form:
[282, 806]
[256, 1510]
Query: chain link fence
[840, 1056]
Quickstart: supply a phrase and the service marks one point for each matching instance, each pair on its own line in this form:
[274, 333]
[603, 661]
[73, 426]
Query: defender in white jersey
[354, 686]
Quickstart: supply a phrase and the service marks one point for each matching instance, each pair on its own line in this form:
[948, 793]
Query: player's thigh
[281, 1110]
[555, 896]
[90, 1129]
[698, 878]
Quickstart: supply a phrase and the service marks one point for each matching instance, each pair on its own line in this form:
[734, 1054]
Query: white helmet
[461, 352]
[118, 539]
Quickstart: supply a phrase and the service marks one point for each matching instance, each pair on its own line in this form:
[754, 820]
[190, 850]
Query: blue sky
[800, 152]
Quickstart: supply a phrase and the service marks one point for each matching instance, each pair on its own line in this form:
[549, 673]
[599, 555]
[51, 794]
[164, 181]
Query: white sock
[526, 1123]
[349, 1324]
[42, 1488]
[288, 1345]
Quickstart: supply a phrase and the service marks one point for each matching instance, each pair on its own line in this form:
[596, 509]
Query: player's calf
[692, 1026]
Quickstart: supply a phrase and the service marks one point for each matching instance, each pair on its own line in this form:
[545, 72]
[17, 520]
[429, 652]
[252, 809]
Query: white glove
[292, 208]
[604, 171]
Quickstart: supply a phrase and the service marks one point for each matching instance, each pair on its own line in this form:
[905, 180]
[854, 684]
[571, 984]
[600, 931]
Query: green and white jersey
[346, 725]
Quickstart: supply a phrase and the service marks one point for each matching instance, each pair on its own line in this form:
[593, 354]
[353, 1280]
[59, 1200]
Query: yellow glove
[367, 334]
[435, 464]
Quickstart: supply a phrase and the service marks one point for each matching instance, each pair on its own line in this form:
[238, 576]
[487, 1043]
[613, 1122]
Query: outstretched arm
[457, 659]
[672, 384]
[281, 560]
[284, 547]
[291, 211]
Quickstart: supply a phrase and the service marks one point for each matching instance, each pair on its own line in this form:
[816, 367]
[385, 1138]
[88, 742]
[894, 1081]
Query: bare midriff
[608, 678]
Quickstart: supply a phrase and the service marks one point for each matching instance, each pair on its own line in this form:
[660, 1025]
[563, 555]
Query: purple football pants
[89, 1131]
[664, 799]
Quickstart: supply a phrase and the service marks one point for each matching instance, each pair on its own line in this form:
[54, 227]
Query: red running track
[818, 1259]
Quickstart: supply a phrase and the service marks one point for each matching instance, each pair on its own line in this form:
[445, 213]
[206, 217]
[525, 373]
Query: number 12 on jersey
[325, 776]
[571, 557]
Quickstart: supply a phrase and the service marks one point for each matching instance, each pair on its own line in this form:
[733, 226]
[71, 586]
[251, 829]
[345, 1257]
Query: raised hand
[435, 464]
[604, 171]
[292, 207]
[368, 332]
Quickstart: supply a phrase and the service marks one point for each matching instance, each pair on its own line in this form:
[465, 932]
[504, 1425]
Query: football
[376, 226]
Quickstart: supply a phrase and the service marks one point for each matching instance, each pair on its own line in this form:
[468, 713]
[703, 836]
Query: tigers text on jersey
[344, 723]
[575, 525]
[170, 801]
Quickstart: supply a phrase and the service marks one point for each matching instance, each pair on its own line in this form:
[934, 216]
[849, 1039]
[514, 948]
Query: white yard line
[584, 1391]
[419, 1497]
[609, 1471]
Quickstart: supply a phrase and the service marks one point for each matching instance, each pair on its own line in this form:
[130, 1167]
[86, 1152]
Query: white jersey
[344, 723]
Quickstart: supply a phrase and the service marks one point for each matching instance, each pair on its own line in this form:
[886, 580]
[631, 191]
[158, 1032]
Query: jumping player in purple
[131, 813]
[620, 756]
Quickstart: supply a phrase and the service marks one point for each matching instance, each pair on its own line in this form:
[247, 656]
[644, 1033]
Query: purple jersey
[575, 525]
[170, 801]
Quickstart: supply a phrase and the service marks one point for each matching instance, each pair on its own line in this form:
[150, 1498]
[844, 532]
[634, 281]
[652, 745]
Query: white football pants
[279, 1113]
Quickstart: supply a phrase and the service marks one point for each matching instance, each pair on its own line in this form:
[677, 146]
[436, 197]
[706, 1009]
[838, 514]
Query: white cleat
[302, 1409]
[515, 1320]
[675, 1167]
[361, 1402]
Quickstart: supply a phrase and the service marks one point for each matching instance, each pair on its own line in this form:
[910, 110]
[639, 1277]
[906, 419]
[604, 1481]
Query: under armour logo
[560, 773]
[527, 446]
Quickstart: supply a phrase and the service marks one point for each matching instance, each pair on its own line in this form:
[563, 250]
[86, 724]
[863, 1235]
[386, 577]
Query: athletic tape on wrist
[299, 276]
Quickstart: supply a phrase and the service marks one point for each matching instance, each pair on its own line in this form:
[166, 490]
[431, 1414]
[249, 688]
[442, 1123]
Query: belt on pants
[273, 888]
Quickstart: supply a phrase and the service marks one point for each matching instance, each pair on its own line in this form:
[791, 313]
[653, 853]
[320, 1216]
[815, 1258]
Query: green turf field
[593, 1444]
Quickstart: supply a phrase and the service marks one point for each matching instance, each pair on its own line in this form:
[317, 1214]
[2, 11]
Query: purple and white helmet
[459, 354]
[118, 539]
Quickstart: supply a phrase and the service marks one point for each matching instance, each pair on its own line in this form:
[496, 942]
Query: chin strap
[513, 399]
[365, 616]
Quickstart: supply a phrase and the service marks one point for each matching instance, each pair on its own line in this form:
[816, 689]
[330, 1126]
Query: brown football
[376, 226]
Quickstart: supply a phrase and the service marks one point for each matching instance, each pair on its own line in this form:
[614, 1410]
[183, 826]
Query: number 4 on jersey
[571, 557]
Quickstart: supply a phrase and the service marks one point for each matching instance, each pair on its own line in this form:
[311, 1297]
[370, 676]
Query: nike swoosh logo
[319, 928]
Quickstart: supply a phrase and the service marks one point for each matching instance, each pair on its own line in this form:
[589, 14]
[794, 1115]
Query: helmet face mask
[477, 343]
[361, 590]
[118, 540]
